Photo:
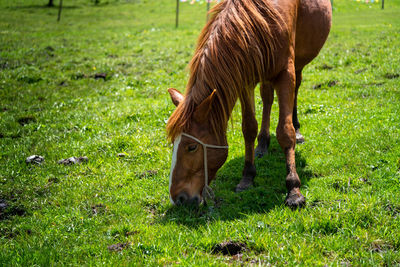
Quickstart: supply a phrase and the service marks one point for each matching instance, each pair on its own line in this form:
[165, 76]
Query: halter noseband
[207, 191]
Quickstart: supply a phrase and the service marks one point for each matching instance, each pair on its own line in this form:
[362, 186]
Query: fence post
[59, 11]
[208, 8]
[177, 14]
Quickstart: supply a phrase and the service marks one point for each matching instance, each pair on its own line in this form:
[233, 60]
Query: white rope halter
[207, 191]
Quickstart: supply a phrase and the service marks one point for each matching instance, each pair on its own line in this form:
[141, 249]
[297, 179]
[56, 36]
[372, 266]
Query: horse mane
[234, 51]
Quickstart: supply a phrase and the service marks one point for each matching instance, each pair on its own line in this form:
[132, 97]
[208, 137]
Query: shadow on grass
[269, 191]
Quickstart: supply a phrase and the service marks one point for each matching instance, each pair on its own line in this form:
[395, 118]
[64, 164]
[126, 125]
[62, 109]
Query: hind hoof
[295, 199]
[260, 151]
[262, 146]
[244, 184]
[299, 137]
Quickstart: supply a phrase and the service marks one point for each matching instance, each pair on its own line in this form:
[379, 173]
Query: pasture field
[94, 85]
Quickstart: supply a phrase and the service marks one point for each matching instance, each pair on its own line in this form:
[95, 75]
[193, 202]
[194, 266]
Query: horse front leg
[249, 129]
[267, 96]
[286, 135]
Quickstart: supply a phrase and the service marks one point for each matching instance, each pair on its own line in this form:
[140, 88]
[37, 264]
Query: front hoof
[295, 199]
[244, 184]
[299, 137]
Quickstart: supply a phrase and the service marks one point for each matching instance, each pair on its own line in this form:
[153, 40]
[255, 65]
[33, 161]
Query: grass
[52, 105]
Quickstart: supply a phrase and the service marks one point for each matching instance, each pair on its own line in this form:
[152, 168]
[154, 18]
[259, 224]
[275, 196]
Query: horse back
[307, 25]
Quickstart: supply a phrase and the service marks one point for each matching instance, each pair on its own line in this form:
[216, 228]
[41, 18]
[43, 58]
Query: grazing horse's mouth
[184, 199]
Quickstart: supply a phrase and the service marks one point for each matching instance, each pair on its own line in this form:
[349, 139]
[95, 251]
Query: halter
[207, 191]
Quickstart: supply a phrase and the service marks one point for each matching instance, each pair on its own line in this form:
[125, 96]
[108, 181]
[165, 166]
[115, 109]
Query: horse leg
[249, 128]
[267, 96]
[296, 123]
[286, 135]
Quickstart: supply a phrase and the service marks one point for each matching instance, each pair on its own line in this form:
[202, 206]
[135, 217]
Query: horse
[245, 43]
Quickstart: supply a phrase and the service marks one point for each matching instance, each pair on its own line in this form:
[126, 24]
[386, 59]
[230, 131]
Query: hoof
[295, 199]
[260, 151]
[299, 137]
[262, 146]
[244, 184]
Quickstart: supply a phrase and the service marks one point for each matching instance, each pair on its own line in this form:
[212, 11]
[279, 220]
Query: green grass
[51, 105]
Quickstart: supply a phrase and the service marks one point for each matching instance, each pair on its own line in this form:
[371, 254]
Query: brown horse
[245, 42]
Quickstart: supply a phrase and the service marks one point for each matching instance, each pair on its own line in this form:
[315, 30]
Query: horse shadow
[268, 192]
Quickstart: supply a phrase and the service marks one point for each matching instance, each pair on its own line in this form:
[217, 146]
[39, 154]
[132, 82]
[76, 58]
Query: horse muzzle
[183, 199]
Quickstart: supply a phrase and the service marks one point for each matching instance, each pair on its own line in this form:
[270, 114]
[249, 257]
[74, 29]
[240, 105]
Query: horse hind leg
[286, 135]
[267, 96]
[296, 124]
[249, 128]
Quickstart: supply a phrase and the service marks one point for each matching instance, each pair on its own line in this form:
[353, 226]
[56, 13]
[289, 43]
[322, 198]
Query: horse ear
[202, 110]
[176, 96]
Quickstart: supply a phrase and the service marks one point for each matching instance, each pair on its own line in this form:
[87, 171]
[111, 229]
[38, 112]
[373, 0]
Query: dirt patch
[131, 233]
[147, 174]
[101, 75]
[12, 232]
[99, 209]
[317, 86]
[360, 70]
[34, 159]
[53, 180]
[63, 83]
[8, 210]
[326, 67]
[229, 248]
[74, 160]
[332, 83]
[49, 48]
[328, 84]
[48, 51]
[393, 210]
[391, 75]
[375, 83]
[78, 76]
[26, 120]
[379, 246]
[118, 246]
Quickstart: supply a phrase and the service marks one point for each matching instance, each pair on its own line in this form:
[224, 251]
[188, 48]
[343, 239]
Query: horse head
[197, 154]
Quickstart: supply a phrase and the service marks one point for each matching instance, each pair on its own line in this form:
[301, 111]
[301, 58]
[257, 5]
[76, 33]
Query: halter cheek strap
[207, 191]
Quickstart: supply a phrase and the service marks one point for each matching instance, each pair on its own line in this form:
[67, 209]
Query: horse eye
[192, 148]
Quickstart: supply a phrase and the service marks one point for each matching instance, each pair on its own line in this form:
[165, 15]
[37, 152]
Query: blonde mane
[234, 52]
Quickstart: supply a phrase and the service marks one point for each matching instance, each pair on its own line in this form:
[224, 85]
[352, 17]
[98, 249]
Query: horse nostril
[181, 199]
